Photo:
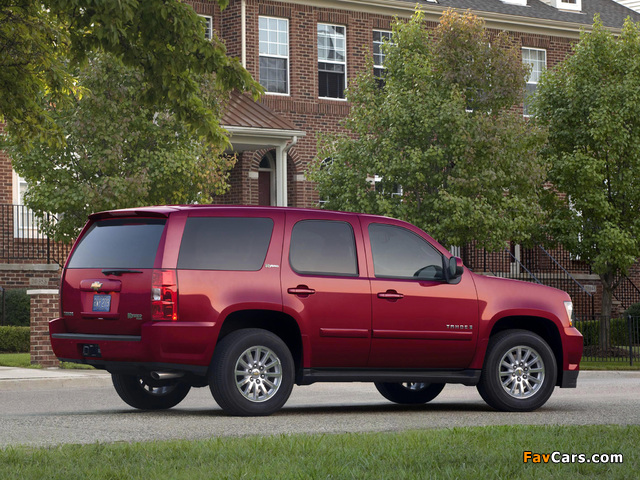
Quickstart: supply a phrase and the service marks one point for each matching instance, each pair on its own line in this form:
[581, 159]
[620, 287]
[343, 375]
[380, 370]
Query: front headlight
[569, 308]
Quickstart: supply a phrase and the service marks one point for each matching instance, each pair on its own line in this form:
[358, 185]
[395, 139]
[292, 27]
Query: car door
[418, 319]
[326, 288]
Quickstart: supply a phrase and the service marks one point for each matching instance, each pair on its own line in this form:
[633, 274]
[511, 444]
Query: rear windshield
[119, 243]
[225, 243]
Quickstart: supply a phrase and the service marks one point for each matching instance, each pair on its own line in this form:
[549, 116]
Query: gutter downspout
[243, 33]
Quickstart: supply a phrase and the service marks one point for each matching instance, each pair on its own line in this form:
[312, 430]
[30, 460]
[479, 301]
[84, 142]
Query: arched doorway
[267, 180]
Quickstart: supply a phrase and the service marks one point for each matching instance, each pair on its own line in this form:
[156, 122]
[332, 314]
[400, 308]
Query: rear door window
[323, 247]
[225, 243]
[119, 243]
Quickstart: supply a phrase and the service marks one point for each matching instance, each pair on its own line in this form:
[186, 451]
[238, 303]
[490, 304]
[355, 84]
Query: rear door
[326, 287]
[106, 287]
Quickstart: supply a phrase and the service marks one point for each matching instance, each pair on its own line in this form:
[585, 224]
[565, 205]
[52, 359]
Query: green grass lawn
[16, 360]
[465, 453]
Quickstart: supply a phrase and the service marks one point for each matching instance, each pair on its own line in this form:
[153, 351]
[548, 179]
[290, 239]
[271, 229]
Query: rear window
[225, 243]
[119, 243]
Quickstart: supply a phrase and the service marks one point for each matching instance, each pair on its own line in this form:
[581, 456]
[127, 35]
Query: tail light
[164, 296]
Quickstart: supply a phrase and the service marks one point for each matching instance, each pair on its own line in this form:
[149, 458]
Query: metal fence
[610, 339]
[21, 239]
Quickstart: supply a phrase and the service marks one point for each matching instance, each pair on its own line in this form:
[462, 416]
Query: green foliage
[164, 38]
[591, 106]
[633, 310]
[17, 307]
[465, 175]
[15, 339]
[118, 152]
[618, 333]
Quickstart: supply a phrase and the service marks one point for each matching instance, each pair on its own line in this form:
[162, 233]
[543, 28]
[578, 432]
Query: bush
[17, 307]
[590, 330]
[15, 339]
[633, 310]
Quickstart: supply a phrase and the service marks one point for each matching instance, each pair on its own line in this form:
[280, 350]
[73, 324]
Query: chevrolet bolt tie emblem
[96, 286]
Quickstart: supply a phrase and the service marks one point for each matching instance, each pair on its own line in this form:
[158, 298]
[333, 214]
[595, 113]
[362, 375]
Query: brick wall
[44, 307]
[6, 178]
[302, 107]
[30, 276]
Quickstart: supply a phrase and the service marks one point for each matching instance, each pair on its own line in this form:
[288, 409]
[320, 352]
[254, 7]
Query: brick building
[305, 54]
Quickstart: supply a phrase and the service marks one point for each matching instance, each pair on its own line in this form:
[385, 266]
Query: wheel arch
[279, 323]
[541, 326]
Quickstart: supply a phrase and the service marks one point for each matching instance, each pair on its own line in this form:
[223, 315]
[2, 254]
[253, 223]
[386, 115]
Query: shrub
[15, 339]
[17, 307]
[590, 330]
[633, 310]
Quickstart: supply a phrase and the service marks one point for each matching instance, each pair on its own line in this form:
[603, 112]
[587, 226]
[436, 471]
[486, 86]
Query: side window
[323, 247]
[225, 243]
[400, 253]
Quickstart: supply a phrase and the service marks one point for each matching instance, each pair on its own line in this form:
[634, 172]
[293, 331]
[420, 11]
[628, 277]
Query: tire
[147, 394]
[410, 393]
[252, 373]
[519, 372]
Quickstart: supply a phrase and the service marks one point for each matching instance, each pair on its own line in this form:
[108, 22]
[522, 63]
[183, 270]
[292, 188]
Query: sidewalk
[14, 378]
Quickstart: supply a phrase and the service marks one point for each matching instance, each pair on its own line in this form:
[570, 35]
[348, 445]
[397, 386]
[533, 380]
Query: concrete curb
[36, 379]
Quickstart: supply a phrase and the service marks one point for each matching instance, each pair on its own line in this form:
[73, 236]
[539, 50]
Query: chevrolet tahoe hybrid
[252, 300]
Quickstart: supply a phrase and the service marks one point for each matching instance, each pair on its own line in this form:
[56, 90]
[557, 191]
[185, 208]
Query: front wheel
[519, 372]
[410, 393]
[146, 393]
[252, 373]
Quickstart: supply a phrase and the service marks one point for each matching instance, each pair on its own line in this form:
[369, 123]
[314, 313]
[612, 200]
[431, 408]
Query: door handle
[301, 290]
[390, 295]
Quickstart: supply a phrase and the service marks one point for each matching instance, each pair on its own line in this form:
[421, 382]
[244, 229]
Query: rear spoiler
[154, 212]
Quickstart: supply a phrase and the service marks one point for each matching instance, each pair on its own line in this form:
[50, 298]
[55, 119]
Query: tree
[438, 139]
[591, 106]
[118, 153]
[41, 41]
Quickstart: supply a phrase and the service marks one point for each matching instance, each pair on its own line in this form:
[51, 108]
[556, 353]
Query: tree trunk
[607, 306]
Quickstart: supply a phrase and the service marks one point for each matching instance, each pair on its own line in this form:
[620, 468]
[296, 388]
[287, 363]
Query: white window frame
[270, 55]
[397, 192]
[573, 5]
[208, 29]
[380, 67]
[25, 223]
[533, 72]
[335, 62]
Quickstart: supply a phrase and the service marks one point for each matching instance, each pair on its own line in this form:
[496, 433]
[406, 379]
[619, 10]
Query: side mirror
[455, 269]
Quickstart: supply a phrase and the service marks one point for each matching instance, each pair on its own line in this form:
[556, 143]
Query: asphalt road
[54, 415]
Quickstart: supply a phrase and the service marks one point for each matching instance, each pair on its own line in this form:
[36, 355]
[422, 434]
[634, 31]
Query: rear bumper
[175, 343]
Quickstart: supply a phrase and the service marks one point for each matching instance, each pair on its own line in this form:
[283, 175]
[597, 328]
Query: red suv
[251, 300]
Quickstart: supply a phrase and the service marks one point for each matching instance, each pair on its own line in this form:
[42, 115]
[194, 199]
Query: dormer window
[573, 5]
[522, 3]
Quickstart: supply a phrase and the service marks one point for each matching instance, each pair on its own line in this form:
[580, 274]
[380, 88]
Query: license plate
[101, 303]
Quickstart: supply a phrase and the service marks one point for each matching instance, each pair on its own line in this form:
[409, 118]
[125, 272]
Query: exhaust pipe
[165, 375]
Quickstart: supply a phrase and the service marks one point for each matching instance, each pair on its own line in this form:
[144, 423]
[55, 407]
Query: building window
[208, 27]
[274, 54]
[332, 61]
[379, 37]
[575, 5]
[537, 58]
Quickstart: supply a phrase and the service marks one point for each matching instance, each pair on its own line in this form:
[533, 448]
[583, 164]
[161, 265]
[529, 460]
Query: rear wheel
[410, 392]
[146, 393]
[519, 372]
[252, 373]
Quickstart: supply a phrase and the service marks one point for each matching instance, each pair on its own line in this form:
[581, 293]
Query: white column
[281, 176]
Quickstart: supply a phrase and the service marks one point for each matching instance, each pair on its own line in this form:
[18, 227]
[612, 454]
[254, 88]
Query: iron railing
[21, 240]
[610, 339]
[534, 265]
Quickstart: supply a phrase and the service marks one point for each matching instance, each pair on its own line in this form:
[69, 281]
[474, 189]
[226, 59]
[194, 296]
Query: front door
[419, 320]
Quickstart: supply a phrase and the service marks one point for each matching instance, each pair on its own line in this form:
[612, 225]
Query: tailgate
[106, 286]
